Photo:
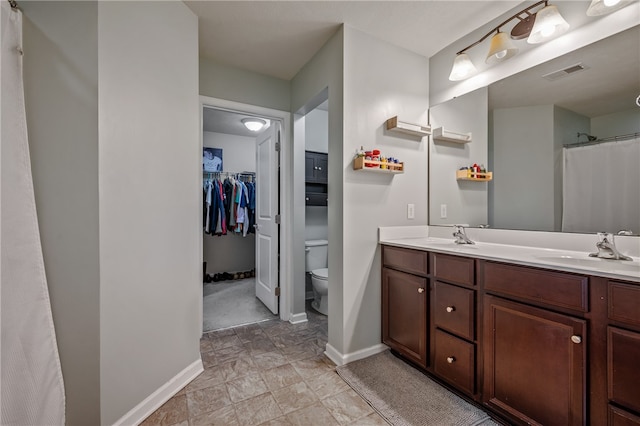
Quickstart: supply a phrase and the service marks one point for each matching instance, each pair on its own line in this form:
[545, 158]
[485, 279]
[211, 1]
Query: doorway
[241, 270]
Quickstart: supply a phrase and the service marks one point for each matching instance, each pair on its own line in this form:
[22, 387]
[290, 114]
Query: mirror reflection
[563, 143]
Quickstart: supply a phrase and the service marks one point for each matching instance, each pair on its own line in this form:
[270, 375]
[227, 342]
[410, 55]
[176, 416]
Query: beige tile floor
[268, 373]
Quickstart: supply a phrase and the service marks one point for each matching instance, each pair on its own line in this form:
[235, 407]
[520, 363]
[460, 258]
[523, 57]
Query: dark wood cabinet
[516, 339]
[404, 314]
[316, 178]
[315, 167]
[534, 363]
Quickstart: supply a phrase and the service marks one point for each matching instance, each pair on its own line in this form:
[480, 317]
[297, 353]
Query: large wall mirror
[562, 141]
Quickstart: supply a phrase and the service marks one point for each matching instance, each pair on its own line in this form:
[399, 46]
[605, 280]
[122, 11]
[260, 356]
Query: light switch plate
[411, 211]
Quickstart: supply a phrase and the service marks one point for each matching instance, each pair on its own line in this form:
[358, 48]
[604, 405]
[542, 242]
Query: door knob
[421, 290]
[576, 339]
[451, 308]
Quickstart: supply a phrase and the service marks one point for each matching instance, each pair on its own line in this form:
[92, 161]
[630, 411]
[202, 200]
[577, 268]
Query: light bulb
[547, 30]
[501, 54]
[610, 3]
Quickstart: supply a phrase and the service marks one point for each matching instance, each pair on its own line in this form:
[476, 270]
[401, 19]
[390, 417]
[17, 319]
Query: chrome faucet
[461, 236]
[607, 248]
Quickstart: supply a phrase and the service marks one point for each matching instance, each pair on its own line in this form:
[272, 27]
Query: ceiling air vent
[555, 75]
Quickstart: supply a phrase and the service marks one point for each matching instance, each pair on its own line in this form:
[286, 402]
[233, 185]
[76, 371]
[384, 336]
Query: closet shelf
[359, 163]
[443, 135]
[474, 176]
[397, 126]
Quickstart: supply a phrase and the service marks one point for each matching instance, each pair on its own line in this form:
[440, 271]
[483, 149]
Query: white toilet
[316, 265]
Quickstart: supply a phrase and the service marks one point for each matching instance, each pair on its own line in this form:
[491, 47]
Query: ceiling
[610, 83]
[277, 38]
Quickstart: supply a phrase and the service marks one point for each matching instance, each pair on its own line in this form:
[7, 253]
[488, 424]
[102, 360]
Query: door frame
[285, 274]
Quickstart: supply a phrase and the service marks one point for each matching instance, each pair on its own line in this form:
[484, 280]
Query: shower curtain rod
[13, 4]
[603, 140]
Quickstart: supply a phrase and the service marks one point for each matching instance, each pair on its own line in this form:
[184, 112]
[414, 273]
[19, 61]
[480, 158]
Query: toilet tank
[316, 254]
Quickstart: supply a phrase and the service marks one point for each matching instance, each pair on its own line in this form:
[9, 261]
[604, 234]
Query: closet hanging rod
[604, 140]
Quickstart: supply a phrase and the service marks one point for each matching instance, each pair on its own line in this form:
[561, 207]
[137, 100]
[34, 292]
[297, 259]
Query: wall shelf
[443, 135]
[474, 176]
[359, 163]
[397, 126]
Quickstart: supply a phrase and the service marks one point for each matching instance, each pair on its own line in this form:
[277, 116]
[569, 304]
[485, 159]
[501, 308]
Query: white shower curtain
[601, 187]
[31, 386]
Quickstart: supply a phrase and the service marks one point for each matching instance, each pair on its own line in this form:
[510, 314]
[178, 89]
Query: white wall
[150, 186]
[234, 84]
[231, 253]
[380, 81]
[61, 91]
[317, 130]
[620, 123]
[319, 79]
[466, 202]
[523, 133]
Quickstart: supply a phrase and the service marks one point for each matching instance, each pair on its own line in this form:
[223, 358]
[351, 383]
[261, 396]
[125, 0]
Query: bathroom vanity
[536, 336]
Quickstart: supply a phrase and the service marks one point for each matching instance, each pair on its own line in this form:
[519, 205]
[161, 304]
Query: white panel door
[266, 211]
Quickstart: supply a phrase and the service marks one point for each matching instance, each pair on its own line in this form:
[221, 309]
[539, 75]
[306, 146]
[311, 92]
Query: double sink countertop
[552, 258]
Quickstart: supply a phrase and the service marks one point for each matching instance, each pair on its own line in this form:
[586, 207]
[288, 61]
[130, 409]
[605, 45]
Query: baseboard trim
[298, 318]
[339, 359]
[144, 409]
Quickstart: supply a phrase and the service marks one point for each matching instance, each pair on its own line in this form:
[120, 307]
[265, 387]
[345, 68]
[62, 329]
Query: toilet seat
[322, 273]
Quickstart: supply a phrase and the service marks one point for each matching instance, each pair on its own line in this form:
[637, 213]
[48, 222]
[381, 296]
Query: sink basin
[593, 262]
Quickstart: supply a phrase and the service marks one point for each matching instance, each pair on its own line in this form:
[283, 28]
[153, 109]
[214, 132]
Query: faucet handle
[605, 237]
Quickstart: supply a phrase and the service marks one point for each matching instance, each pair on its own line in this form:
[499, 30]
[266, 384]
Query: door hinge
[278, 219]
[277, 291]
[277, 146]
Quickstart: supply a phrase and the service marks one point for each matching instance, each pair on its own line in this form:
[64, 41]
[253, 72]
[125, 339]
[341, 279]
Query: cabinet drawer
[453, 309]
[623, 354]
[619, 417]
[413, 261]
[537, 285]
[455, 361]
[624, 303]
[316, 198]
[454, 269]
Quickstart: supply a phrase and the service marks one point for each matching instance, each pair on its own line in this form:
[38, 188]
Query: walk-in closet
[229, 186]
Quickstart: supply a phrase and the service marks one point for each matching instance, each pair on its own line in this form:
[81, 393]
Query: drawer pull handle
[451, 359]
[421, 290]
[576, 339]
[451, 308]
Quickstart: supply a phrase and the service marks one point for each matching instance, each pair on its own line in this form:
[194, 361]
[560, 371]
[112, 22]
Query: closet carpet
[232, 303]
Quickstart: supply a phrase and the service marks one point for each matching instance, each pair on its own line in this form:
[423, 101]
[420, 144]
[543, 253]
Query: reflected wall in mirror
[548, 173]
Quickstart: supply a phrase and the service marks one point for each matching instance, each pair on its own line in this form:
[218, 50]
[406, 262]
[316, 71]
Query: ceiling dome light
[462, 68]
[254, 124]
[501, 49]
[602, 7]
[548, 24]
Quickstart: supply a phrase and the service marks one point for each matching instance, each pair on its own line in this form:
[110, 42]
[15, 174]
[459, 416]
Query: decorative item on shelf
[474, 173]
[385, 165]
[442, 135]
[419, 130]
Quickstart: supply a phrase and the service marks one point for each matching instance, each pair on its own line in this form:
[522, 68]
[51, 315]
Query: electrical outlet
[411, 211]
[443, 211]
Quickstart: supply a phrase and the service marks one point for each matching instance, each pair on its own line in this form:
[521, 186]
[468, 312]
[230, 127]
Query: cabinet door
[321, 168]
[404, 314]
[623, 356]
[534, 363]
[309, 172]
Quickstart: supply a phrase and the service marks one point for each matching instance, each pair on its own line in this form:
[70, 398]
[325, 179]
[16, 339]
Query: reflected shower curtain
[601, 187]
[31, 386]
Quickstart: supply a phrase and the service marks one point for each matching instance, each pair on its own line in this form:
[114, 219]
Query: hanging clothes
[229, 205]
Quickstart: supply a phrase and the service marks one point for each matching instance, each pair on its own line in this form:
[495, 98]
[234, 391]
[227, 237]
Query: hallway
[267, 373]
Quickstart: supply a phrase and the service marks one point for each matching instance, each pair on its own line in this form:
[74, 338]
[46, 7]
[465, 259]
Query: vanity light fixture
[602, 7]
[254, 124]
[539, 27]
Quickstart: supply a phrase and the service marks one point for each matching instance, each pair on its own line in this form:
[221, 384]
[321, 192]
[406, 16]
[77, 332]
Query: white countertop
[563, 260]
